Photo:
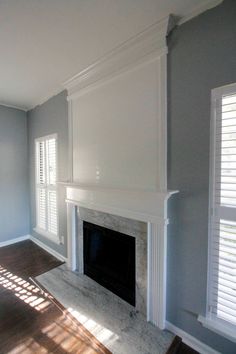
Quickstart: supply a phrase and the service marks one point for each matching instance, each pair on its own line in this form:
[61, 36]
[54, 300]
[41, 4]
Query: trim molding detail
[14, 240]
[48, 249]
[149, 43]
[37, 242]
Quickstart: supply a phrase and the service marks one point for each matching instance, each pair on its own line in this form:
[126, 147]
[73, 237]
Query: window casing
[46, 186]
[221, 294]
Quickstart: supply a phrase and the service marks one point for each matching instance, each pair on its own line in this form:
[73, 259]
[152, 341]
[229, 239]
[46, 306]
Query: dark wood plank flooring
[31, 320]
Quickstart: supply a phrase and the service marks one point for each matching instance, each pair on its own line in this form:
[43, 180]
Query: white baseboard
[37, 242]
[14, 240]
[48, 249]
[190, 340]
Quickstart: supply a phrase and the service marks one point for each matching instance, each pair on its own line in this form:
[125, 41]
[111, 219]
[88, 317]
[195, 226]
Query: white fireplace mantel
[118, 147]
[150, 207]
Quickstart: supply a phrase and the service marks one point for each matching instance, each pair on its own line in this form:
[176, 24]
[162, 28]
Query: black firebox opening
[109, 259]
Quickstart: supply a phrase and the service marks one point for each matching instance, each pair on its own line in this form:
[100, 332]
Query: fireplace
[109, 259]
[139, 214]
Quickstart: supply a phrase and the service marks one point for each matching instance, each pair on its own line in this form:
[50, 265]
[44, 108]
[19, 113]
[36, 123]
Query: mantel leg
[157, 252]
[71, 236]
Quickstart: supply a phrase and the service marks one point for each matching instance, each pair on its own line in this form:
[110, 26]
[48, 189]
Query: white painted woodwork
[118, 147]
[144, 206]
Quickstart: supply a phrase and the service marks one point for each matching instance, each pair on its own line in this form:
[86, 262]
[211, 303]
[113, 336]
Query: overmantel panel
[118, 118]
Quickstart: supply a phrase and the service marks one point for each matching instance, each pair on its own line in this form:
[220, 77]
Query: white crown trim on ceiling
[130, 53]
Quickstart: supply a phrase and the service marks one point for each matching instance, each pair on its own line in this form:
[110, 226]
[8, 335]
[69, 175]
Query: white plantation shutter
[46, 190]
[222, 242]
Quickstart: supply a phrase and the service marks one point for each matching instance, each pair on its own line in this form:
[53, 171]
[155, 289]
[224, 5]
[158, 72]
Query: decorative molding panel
[129, 72]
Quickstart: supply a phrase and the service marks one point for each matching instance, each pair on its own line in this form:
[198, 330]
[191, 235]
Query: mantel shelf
[147, 206]
[161, 193]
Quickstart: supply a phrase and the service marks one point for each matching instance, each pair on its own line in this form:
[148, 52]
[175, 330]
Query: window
[221, 301]
[46, 188]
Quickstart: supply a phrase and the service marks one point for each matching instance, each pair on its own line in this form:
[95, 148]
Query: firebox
[109, 259]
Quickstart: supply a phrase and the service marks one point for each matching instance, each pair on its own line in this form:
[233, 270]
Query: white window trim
[208, 320]
[49, 235]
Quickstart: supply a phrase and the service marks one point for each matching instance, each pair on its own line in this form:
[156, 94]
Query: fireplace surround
[147, 210]
[124, 226]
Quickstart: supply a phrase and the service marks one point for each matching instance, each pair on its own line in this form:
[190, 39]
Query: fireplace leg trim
[156, 289]
[71, 236]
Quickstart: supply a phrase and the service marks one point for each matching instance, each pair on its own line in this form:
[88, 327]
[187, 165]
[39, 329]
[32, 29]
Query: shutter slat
[223, 295]
[225, 313]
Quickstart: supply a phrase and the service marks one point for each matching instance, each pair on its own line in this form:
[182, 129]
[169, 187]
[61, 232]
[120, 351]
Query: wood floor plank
[31, 320]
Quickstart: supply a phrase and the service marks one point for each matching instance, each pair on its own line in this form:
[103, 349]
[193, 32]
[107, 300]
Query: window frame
[49, 235]
[210, 321]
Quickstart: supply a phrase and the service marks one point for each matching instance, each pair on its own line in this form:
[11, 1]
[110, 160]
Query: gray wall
[14, 194]
[49, 118]
[202, 56]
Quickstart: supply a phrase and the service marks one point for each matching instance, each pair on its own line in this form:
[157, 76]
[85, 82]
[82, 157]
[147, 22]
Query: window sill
[220, 327]
[48, 235]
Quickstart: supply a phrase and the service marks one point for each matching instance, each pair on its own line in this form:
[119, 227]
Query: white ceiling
[45, 42]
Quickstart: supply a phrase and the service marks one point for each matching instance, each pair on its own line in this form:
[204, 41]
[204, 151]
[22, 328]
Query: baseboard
[14, 240]
[190, 340]
[48, 249]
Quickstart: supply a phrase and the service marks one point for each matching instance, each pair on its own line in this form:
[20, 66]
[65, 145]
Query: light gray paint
[49, 118]
[14, 194]
[202, 56]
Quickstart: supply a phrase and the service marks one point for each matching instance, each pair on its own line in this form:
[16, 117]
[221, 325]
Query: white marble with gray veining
[125, 226]
[114, 322]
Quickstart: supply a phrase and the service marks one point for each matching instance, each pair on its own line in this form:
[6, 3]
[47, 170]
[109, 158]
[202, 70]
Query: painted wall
[49, 118]
[202, 56]
[14, 194]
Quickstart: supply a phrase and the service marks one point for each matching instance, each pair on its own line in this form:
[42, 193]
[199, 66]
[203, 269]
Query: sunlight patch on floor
[102, 333]
[22, 289]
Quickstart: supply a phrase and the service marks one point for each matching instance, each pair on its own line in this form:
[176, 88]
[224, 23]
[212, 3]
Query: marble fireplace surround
[134, 228]
[140, 206]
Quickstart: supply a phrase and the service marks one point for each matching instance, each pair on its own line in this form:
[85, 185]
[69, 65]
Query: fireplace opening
[109, 259]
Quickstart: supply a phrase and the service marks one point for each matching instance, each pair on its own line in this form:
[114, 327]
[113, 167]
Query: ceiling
[45, 42]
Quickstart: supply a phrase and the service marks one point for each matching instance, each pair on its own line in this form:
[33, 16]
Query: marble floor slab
[111, 320]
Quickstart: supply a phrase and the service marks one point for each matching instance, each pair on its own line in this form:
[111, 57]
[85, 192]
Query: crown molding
[24, 109]
[198, 10]
[133, 51]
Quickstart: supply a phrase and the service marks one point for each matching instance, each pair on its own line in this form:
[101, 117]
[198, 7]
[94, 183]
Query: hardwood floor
[31, 320]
